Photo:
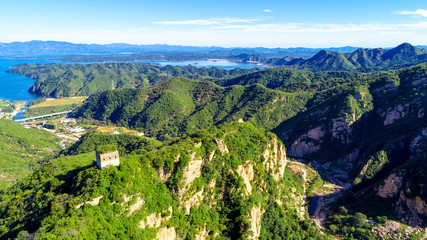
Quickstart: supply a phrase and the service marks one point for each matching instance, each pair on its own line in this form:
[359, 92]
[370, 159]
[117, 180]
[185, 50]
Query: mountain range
[278, 153]
[365, 60]
[55, 48]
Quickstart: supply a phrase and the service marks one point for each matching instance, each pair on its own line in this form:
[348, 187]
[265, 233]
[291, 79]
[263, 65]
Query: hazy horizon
[269, 24]
[206, 46]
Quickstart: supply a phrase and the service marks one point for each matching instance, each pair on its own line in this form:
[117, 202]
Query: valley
[317, 150]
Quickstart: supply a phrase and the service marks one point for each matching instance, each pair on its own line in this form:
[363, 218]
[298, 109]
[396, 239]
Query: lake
[15, 87]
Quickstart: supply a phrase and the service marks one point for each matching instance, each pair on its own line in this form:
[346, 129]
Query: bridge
[39, 117]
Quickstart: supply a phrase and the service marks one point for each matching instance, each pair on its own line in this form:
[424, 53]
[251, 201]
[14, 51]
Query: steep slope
[182, 106]
[364, 60]
[60, 80]
[370, 137]
[21, 150]
[287, 79]
[225, 183]
[326, 60]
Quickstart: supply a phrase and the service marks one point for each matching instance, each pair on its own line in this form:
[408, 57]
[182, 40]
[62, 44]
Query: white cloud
[319, 28]
[207, 22]
[420, 12]
[267, 10]
[252, 34]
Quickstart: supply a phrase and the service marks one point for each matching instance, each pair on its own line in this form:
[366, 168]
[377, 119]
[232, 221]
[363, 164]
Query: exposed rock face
[137, 205]
[419, 82]
[341, 129]
[275, 161]
[221, 145]
[166, 234]
[394, 114]
[390, 230]
[192, 171]
[164, 175]
[93, 202]
[255, 219]
[301, 148]
[155, 220]
[194, 200]
[246, 172]
[389, 87]
[391, 186]
[202, 235]
[308, 143]
[316, 133]
[417, 204]
[419, 144]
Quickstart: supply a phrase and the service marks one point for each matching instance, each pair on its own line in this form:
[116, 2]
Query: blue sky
[231, 23]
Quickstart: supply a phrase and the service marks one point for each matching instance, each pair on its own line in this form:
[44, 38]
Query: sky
[225, 23]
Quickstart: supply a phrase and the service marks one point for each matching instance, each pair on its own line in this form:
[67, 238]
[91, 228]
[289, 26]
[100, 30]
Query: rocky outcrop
[419, 144]
[163, 174]
[416, 204]
[221, 145]
[307, 143]
[255, 220]
[391, 187]
[275, 159]
[137, 205]
[192, 171]
[166, 234]
[246, 172]
[395, 230]
[202, 235]
[155, 220]
[394, 114]
[341, 129]
[419, 82]
[194, 200]
[93, 202]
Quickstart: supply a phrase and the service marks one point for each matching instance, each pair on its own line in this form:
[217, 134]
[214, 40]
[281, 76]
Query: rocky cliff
[371, 138]
[232, 181]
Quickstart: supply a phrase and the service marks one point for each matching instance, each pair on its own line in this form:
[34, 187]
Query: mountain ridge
[367, 60]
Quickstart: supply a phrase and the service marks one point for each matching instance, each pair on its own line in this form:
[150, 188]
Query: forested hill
[289, 80]
[229, 182]
[22, 150]
[181, 106]
[364, 60]
[365, 132]
[58, 80]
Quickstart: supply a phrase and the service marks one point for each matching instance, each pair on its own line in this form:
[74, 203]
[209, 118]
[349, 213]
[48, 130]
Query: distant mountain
[154, 51]
[66, 48]
[404, 55]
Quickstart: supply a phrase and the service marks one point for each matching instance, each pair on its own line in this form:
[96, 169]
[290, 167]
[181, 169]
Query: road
[43, 116]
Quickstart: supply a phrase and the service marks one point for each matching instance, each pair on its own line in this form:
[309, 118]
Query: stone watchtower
[107, 156]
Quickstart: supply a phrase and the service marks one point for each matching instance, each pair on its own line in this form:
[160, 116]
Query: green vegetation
[57, 80]
[362, 60]
[7, 106]
[106, 148]
[44, 106]
[58, 190]
[22, 150]
[181, 106]
[215, 174]
[351, 226]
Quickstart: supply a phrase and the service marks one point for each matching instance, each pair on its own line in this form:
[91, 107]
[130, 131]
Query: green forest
[277, 153]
